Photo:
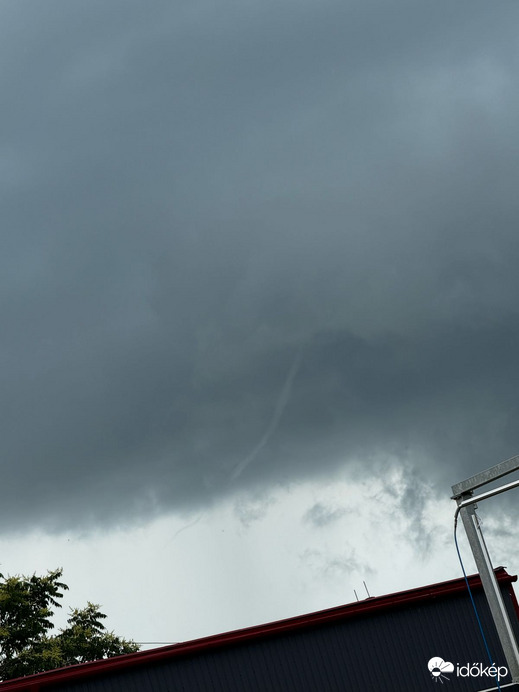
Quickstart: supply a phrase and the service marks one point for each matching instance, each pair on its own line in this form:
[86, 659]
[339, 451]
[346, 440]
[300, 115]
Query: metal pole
[490, 585]
[491, 474]
[489, 493]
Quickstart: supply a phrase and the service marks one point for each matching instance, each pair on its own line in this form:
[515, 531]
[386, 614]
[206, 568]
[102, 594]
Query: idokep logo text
[440, 670]
[478, 670]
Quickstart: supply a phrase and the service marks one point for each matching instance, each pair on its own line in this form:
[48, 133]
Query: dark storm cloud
[249, 244]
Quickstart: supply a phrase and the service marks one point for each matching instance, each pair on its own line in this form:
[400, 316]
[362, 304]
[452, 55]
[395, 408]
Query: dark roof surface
[381, 643]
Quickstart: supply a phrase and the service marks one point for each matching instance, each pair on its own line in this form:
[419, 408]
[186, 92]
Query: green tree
[26, 645]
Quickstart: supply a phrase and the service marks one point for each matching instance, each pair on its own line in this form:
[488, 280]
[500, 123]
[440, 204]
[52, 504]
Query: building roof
[438, 614]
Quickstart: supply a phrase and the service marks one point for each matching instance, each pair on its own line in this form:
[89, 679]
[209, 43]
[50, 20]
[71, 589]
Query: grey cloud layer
[192, 198]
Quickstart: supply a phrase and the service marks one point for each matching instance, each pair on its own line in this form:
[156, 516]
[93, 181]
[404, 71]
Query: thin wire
[471, 596]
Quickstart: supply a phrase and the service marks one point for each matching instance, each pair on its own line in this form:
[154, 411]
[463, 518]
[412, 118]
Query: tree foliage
[26, 643]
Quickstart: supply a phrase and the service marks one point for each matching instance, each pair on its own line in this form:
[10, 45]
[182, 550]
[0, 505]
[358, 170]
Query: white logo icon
[437, 667]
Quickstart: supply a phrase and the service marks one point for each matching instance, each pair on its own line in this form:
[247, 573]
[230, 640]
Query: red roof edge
[40, 681]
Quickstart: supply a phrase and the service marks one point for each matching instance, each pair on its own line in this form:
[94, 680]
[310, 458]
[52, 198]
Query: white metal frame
[463, 493]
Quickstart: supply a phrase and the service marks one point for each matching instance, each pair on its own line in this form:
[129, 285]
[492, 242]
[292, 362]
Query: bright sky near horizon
[258, 299]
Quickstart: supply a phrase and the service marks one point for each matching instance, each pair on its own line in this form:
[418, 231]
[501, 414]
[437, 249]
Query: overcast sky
[258, 276]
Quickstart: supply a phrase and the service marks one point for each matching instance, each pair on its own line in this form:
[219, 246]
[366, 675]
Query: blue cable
[471, 596]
